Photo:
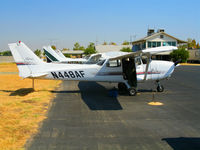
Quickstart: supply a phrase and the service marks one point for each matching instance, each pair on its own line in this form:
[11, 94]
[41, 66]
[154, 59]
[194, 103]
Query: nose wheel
[132, 91]
[160, 88]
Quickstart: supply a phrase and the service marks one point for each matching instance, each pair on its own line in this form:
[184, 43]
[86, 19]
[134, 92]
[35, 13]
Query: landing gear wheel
[160, 88]
[121, 86]
[132, 91]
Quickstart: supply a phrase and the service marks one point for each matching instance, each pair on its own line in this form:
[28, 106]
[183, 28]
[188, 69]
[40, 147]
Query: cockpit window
[94, 59]
[138, 61]
[101, 62]
[144, 60]
[114, 63]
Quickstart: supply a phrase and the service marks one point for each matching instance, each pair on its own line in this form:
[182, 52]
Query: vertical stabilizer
[24, 58]
[52, 54]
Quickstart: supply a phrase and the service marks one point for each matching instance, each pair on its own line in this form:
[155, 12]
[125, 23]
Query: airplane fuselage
[83, 72]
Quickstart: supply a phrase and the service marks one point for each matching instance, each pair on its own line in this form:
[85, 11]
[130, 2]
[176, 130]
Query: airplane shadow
[57, 92]
[22, 92]
[183, 143]
[19, 92]
[146, 90]
[96, 97]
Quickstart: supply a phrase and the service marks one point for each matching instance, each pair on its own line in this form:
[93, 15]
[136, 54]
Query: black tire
[122, 86]
[160, 88]
[132, 91]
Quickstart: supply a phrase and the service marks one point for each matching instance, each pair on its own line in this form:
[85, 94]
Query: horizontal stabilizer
[37, 75]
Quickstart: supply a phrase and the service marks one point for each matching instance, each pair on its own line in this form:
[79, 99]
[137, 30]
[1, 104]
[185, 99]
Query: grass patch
[21, 108]
[8, 67]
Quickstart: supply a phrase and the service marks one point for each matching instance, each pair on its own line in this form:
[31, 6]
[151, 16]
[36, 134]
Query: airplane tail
[24, 59]
[60, 54]
[51, 55]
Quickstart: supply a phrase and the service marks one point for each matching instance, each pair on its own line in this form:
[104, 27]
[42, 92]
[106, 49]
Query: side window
[114, 63]
[138, 61]
[144, 59]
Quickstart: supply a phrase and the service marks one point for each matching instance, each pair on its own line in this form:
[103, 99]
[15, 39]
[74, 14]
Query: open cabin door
[129, 71]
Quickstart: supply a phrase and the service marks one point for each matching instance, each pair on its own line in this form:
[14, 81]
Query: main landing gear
[125, 87]
[160, 88]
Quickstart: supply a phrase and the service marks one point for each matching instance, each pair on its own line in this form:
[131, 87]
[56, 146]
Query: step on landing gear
[160, 88]
[124, 87]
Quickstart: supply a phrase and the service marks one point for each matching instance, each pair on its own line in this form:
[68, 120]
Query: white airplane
[57, 56]
[126, 70]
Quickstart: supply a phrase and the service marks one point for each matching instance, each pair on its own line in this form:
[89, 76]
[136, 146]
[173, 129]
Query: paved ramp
[83, 116]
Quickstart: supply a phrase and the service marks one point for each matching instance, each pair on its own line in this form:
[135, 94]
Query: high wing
[127, 55]
[161, 49]
[147, 53]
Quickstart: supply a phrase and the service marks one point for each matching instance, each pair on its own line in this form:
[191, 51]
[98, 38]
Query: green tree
[126, 49]
[76, 46]
[113, 43]
[67, 55]
[198, 45]
[180, 54]
[82, 48]
[6, 53]
[105, 43]
[125, 43]
[38, 52]
[90, 49]
[192, 44]
[53, 47]
[65, 49]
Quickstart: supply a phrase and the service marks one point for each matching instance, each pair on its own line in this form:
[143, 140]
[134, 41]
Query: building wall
[6, 59]
[108, 48]
[162, 40]
[159, 42]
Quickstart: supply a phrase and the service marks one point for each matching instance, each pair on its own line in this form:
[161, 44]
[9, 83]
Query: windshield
[101, 62]
[94, 59]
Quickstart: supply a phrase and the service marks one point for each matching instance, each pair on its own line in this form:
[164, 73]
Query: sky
[64, 22]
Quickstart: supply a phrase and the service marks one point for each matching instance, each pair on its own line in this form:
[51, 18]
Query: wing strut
[147, 66]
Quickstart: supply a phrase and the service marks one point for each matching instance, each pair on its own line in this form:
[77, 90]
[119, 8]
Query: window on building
[154, 44]
[149, 44]
[169, 43]
[173, 43]
[143, 45]
[158, 44]
[161, 36]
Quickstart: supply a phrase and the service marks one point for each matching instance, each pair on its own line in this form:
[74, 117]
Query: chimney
[150, 32]
[160, 30]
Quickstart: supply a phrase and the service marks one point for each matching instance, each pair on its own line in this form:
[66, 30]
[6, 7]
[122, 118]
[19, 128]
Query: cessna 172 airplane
[126, 69]
[57, 56]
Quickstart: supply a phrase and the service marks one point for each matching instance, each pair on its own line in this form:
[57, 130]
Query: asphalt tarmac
[83, 116]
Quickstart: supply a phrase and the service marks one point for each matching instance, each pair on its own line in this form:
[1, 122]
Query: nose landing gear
[160, 88]
[132, 91]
